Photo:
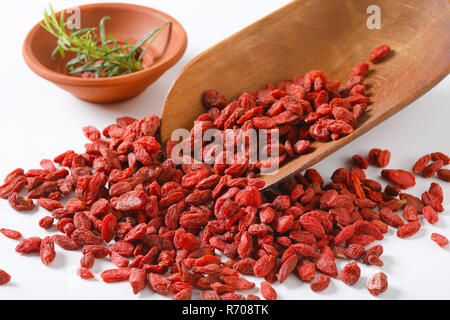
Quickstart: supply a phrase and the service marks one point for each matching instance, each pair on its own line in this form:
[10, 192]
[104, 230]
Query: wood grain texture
[331, 36]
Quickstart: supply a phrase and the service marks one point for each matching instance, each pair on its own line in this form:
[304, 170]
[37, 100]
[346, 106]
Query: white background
[38, 120]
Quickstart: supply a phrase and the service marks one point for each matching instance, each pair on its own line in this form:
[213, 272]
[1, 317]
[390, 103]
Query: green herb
[106, 58]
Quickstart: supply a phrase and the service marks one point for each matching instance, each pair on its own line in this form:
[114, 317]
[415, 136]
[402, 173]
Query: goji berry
[408, 229]
[4, 277]
[439, 239]
[421, 164]
[321, 283]
[400, 177]
[85, 273]
[410, 213]
[19, 203]
[97, 250]
[436, 191]
[87, 261]
[47, 251]
[350, 273]
[267, 291]
[12, 234]
[46, 222]
[65, 242]
[435, 156]
[430, 215]
[29, 245]
[377, 284]
[432, 168]
[306, 270]
[326, 265]
[430, 200]
[116, 275]
[379, 53]
[287, 267]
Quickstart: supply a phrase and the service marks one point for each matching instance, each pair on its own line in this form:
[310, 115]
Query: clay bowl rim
[53, 76]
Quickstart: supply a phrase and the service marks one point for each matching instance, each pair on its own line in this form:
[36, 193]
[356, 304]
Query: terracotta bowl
[127, 21]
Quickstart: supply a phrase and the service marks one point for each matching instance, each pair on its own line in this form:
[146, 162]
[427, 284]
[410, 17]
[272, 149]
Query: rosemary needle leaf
[74, 61]
[54, 52]
[113, 72]
[142, 41]
[88, 67]
[61, 50]
[53, 17]
[81, 31]
[102, 29]
[61, 21]
[141, 56]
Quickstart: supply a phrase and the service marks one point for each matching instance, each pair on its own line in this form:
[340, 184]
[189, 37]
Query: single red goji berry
[85, 273]
[408, 229]
[87, 261]
[267, 291]
[12, 234]
[421, 164]
[379, 53]
[321, 283]
[47, 251]
[430, 215]
[440, 156]
[432, 168]
[377, 284]
[4, 277]
[350, 273]
[115, 275]
[439, 239]
[29, 245]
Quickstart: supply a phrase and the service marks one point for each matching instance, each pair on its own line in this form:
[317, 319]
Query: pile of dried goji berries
[169, 227]
[303, 109]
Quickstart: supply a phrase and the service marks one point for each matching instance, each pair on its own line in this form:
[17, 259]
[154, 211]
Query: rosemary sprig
[106, 58]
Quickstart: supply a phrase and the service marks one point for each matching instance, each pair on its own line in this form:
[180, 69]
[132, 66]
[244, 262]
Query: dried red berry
[377, 284]
[306, 271]
[115, 275]
[97, 250]
[302, 146]
[383, 158]
[400, 177]
[350, 273]
[65, 242]
[12, 234]
[439, 239]
[421, 164]
[267, 291]
[19, 203]
[408, 229]
[321, 283]
[47, 251]
[85, 273]
[430, 215]
[46, 222]
[87, 261]
[360, 161]
[4, 277]
[138, 280]
[440, 156]
[379, 53]
[29, 245]
[432, 168]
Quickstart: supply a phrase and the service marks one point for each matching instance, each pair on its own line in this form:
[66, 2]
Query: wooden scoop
[331, 36]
